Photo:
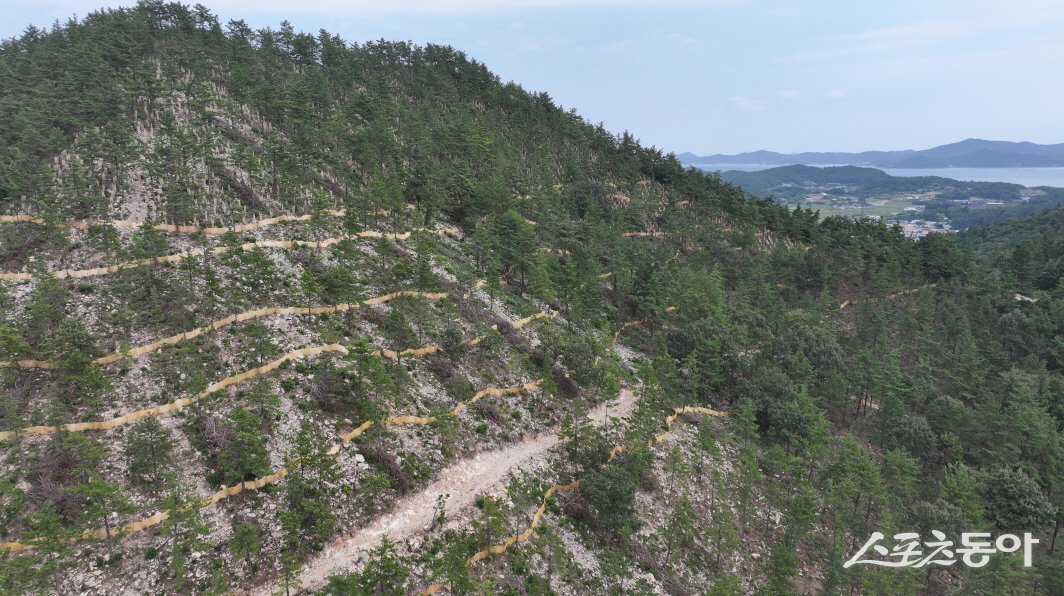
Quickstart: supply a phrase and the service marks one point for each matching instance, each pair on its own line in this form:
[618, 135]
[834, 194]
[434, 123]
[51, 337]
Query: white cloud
[835, 94]
[671, 38]
[789, 94]
[971, 20]
[914, 33]
[517, 40]
[747, 104]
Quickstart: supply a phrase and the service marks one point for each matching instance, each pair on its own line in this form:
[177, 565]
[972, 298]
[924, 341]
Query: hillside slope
[262, 291]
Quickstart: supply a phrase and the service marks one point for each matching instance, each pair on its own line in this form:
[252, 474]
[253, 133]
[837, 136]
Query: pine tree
[246, 542]
[680, 530]
[384, 574]
[244, 456]
[101, 500]
[149, 445]
[308, 519]
[12, 346]
[183, 531]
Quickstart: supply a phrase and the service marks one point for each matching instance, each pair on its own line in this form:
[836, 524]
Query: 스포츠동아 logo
[909, 550]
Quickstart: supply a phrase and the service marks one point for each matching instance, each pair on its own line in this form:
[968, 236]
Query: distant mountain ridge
[792, 179]
[969, 153]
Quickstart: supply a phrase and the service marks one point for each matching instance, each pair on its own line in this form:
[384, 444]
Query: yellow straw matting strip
[909, 292]
[237, 318]
[525, 534]
[262, 370]
[81, 224]
[196, 252]
[180, 403]
[277, 476]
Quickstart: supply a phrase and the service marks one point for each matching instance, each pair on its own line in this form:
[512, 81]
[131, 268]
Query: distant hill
[969, 153]
[1000, 237]
[793, 183]
[786, 180]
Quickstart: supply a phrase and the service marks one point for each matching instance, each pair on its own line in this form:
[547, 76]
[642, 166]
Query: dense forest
[963, 216]
[264, 291]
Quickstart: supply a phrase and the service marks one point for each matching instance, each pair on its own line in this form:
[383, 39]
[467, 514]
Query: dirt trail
[278, 475]
[413, 514]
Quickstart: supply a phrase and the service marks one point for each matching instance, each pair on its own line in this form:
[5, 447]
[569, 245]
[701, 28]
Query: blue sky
[727, 75]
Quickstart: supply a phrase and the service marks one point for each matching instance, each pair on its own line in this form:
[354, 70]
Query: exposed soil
[462, 482]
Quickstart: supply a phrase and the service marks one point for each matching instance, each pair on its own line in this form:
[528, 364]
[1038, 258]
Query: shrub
[378, 455]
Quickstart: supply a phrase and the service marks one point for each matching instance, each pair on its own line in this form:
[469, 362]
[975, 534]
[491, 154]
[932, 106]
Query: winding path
[277, 476]
[462, 482]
